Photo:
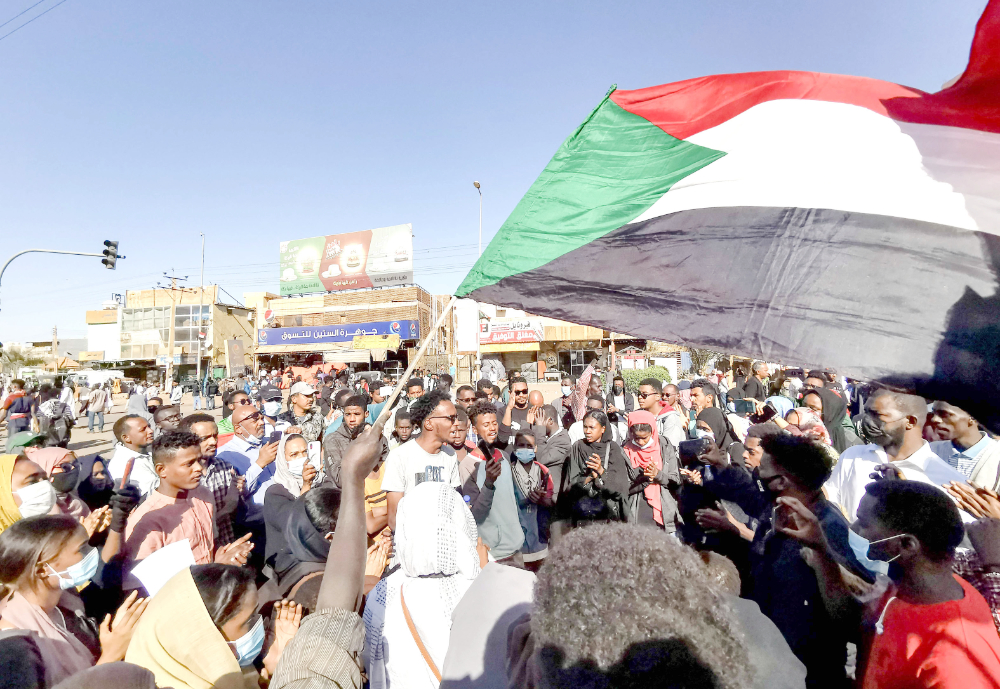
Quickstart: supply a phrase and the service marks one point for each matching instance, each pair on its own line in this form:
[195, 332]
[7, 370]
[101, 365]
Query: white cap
[302, 388]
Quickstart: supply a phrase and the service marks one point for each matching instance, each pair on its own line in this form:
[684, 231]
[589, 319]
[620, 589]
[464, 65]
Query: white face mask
[272, 408]
[566, 390]
[36, 499]
[648, 444]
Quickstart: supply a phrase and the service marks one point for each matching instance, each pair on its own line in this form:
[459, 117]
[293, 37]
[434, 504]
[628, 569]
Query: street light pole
[480, 190]
[45, 251]
[201, 313]
[479, 354]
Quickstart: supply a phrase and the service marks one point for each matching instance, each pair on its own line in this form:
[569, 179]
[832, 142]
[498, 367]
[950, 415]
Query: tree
[701, 358]
[12, 360]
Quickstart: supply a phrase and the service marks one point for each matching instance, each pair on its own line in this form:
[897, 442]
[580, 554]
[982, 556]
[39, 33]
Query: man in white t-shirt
[426, 457]
[894, 423]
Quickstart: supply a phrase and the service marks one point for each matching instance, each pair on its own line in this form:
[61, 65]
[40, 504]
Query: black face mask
[874, 430]
[618, 389]
[96, 492]
[66, 481]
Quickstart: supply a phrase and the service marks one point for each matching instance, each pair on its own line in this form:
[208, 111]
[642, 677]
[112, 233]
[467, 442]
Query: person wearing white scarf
[435, 543]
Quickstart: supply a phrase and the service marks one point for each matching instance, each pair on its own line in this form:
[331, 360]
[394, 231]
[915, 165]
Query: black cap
[269, 392]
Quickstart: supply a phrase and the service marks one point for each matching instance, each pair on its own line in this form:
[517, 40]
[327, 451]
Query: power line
[18, 15]
[32, 19]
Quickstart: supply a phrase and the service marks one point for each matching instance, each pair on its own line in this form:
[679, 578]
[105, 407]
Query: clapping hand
[116, 635]
[595, 465]
[236, 553]
[97, 521]
[691, 476]
[978, 501]
[887, 472]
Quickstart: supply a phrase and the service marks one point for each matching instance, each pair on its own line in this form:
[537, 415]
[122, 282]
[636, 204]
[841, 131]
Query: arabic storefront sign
[382, 257]
[376, 342]
[507, 330]
[322, 334]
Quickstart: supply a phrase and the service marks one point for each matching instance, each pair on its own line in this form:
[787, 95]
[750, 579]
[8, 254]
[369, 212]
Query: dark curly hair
[480, 407]
[645, 610]
[803, 459]
[166, 446]
[422, 407]
[922, 510]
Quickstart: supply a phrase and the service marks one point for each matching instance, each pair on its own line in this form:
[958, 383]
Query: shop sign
[376, 342]
[90, 356]
[510, 347]
[508, 330]
[382, 257]
[323, 334]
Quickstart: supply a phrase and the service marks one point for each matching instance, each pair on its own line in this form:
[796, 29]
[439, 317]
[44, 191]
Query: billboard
[511, 330]
[382, 257]
[322, 334]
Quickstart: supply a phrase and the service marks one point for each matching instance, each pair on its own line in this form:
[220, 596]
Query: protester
[552, 445]
[669, 423]
[166, 418]
[704, 400]
[42, 559]
[335, 444]
[620, 405]
[517, 414]
[753, 387]
[218, 476]
[402, 428]
[534, 493]
[95, 408]
[782, 582]
[930, 628]
[55, 418]
[63, 471]
[893, 424]
[833, 411]
[16, 411]
[303, 413]
[134, 438]
[202, 630]
[653, 457]
[596, 487]
[964, 446]
[252, 457]
[488, 486]
[408, 617]
[594, 403]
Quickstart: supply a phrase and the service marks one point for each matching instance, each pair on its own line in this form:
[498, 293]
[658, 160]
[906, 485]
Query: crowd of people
[768, 528]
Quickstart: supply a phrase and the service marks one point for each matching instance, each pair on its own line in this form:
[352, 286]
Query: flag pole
[401, 384]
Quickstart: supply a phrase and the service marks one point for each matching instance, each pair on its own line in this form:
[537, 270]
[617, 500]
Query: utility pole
[55, 349]
[168, 384]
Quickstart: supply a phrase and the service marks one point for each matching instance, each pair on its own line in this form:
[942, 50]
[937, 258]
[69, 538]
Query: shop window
[574, 361]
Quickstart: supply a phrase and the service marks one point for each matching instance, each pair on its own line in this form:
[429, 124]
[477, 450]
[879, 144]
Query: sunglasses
[520, 392]
[252, 417]
[453, 418]
[644, 395]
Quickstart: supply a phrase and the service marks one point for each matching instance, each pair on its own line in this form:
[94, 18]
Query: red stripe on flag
[685, 108]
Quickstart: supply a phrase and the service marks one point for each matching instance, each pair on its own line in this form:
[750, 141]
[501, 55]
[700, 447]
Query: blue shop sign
[322, 334]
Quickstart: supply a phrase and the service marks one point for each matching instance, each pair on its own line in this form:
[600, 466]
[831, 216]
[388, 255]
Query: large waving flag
[807, 218]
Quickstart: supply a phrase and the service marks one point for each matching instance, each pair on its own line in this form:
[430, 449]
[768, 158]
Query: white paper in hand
[157, 569]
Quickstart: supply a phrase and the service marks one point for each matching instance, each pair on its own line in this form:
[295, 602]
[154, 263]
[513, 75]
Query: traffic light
[110, 254]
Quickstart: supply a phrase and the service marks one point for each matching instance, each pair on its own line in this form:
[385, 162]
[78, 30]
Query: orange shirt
[945, 645]
[160, 520]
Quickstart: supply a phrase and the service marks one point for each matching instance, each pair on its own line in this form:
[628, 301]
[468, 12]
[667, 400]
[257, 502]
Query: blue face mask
[78, 574]
[860, 545]
[249, 646]
[272, 408]
[525, 455]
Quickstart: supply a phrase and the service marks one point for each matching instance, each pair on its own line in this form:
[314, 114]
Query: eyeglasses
[453, 418]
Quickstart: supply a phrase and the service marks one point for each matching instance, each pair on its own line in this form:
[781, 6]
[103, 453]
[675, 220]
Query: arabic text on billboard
[321, 334]
[382, 257]
[504, 330]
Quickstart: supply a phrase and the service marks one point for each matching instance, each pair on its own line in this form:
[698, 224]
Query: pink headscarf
[49, 458]
[810, 425]
[640, 458]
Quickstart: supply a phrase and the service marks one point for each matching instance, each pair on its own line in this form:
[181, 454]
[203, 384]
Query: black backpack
[56, 431]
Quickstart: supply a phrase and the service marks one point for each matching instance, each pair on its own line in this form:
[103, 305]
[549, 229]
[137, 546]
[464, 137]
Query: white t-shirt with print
[409, 465]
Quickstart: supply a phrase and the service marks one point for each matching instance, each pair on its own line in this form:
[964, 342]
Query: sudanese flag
[806, 218]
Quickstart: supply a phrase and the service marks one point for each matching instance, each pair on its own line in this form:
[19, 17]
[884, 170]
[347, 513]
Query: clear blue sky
[255, 122]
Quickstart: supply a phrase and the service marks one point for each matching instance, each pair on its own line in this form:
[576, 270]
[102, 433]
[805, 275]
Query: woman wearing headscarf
[63, 471]
[599, 479]
[96, 485]
[42, 561]
[295, 473]
[655, 460]
[24, 490]
[722, 433]
[806, 422]
[833, 411]
[408, 614]
[201, 630]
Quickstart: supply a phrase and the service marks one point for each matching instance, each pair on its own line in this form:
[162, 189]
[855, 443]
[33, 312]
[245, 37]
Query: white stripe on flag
[816, 154]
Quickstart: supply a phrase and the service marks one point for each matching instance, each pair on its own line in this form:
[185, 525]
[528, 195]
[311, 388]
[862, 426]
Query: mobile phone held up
[690, 449]
[745, 406]
[766, 415]
[274, 437]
